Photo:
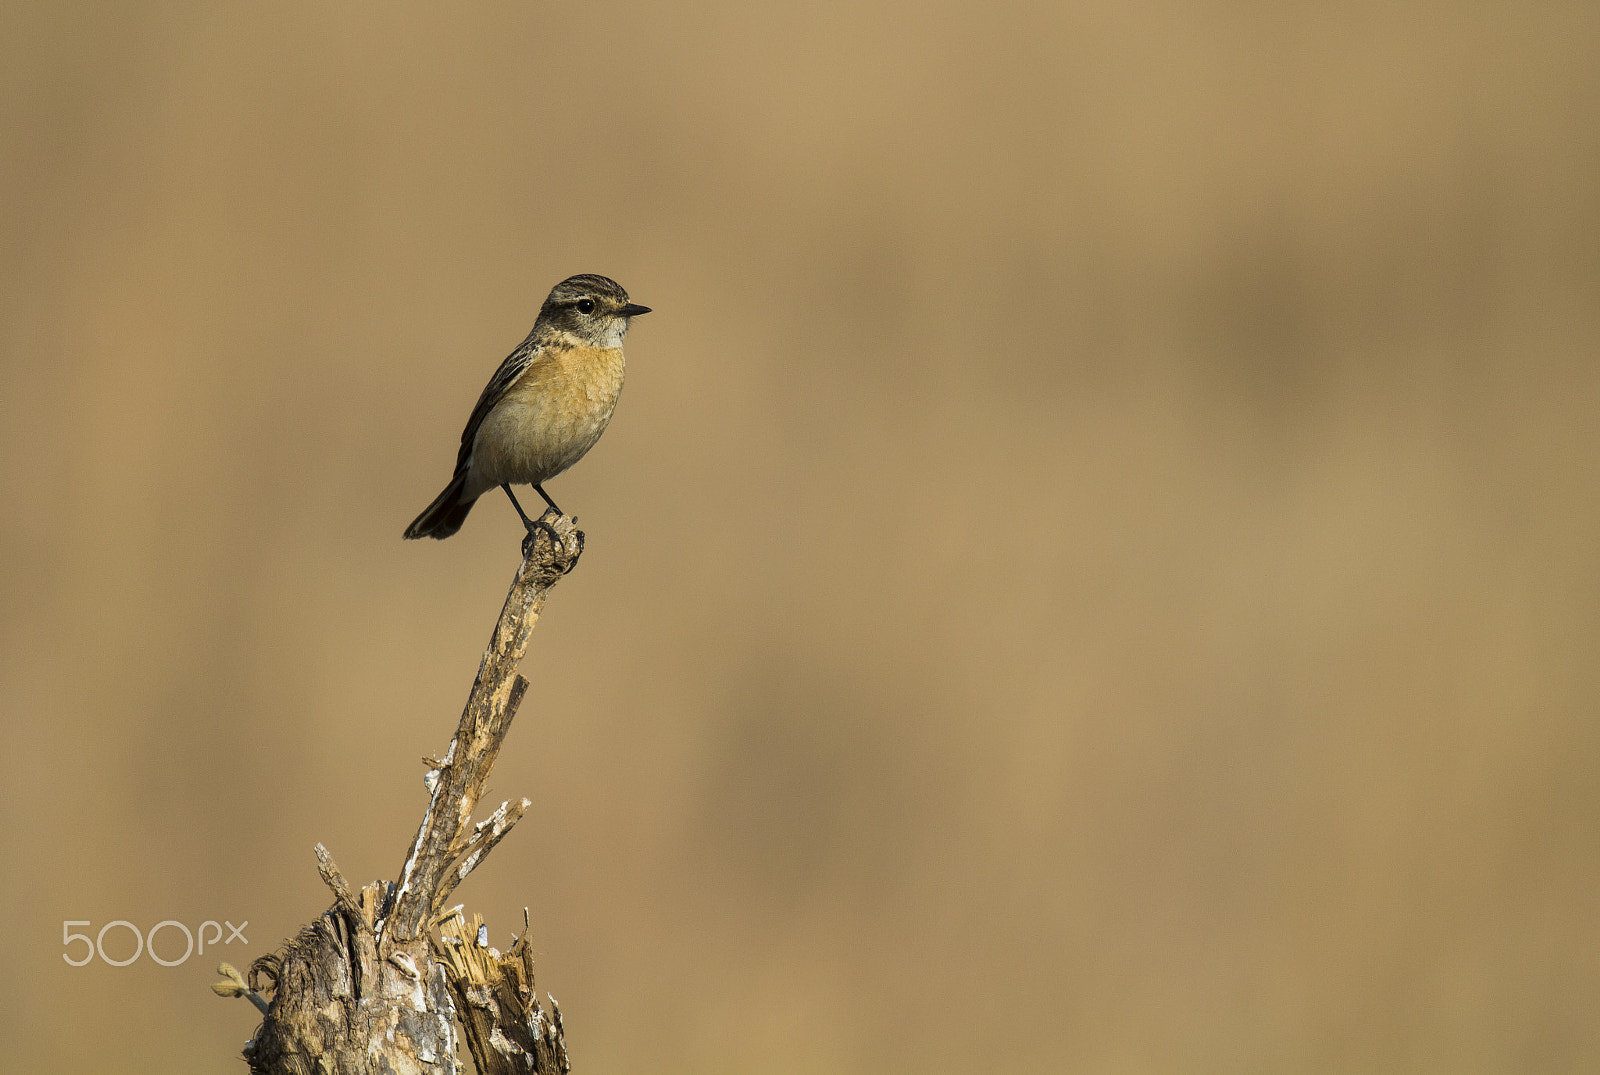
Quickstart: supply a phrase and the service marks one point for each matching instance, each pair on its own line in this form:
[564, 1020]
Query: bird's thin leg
[534, 525]
[540, 490]
[527, 522]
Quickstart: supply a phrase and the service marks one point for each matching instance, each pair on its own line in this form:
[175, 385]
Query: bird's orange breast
[550, 417]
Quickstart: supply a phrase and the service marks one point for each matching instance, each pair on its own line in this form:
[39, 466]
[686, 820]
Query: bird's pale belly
[532, 436]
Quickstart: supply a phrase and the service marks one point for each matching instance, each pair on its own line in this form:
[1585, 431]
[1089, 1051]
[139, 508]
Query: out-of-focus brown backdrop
[1095, 567]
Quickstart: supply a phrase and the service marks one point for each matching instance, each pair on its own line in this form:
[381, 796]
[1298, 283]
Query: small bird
[544, 407]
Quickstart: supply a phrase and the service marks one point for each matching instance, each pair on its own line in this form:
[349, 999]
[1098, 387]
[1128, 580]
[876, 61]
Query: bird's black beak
[633, 310]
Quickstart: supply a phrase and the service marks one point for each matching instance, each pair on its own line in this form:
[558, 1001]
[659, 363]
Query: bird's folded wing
[515, 365]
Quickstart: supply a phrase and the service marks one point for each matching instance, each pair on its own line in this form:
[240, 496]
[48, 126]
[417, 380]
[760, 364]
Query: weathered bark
[367, 988]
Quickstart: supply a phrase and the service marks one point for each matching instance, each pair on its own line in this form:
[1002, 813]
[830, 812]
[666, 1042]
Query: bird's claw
[531, 540]
[558, 544]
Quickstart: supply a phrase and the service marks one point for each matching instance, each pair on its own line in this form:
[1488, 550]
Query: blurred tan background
[1095, 568]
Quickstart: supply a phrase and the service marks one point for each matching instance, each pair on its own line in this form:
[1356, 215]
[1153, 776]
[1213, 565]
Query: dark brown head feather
[605, 292]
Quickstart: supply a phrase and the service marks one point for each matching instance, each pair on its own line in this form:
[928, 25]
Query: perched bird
[544, 407]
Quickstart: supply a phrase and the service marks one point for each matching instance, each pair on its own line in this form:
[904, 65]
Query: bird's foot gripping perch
[564, 548]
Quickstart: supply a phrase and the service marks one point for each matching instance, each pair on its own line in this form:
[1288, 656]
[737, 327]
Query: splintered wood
[506, 1027]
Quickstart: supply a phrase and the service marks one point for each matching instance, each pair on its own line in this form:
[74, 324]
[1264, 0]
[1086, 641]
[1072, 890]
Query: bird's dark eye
[586, 306]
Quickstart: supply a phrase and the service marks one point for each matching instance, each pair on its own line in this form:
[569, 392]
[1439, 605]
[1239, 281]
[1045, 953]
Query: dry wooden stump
[377, 983]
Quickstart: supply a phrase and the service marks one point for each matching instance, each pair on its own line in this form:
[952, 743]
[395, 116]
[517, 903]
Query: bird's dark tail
[447, 512]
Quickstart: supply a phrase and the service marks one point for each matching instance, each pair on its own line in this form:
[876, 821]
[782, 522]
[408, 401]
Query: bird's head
[593, 310]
